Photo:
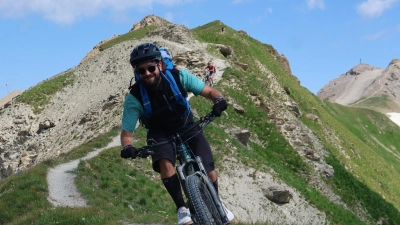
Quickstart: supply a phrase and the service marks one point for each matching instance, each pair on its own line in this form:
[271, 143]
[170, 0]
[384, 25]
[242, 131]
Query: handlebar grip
[210, 116]
[145, 153]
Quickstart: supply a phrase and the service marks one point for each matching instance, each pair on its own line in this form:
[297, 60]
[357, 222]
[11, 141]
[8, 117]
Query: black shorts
[198, 144]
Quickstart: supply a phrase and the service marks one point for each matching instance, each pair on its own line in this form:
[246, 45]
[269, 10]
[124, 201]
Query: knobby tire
[210, 83]
[204, 207]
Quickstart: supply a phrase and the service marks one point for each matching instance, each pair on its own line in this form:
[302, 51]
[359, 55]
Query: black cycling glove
[219, 106]
[129, 152]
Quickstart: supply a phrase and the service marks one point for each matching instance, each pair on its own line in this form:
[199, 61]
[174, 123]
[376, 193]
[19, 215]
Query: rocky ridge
[96, 49]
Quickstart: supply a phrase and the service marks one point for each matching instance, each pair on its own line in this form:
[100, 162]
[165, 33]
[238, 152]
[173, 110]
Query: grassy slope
[120, 190]
[39, 96]
[375, 167]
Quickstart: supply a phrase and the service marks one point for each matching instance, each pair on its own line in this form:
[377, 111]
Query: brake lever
[151, 141]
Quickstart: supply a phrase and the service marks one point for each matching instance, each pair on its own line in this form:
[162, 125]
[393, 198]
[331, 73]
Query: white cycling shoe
[185, 219]
[229, 214]
[184, 216]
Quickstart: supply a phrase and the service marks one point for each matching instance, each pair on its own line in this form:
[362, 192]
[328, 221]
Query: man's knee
[166, 168]
[165, 164]
[213, 175]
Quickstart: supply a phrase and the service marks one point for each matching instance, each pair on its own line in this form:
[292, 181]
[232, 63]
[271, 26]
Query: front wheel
[211, 82]
[205, 210]
[207, 80]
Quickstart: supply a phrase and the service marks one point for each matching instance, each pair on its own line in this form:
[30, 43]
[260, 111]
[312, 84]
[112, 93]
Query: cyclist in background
[211, 70]
[168, 116]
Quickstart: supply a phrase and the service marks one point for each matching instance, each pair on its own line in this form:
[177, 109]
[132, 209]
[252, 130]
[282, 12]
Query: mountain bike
[207, 80]
[203, 200]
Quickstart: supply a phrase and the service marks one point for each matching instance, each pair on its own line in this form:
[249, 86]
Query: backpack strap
[175, 90]
[146, 100]
[176, 74]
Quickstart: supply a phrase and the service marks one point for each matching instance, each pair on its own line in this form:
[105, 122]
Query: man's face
[150, 73]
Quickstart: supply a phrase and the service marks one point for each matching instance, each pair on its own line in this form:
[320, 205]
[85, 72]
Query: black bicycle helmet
[143, 53]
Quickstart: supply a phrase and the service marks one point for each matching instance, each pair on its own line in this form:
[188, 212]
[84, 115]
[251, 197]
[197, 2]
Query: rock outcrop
[150, 20]
[281, 59]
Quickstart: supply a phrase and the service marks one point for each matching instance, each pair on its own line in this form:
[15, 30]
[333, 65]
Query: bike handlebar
[145, 151]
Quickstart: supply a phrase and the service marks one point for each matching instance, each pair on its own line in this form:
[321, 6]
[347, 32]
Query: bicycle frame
[207, 79]
[189, 164]
[206, 75]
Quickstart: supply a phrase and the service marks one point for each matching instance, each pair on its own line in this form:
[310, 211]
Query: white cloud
[375, 36]
[315, 4]
[260, 18]
[374, 8]
[69, 11]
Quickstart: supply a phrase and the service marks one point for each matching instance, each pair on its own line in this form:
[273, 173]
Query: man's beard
[153, 84]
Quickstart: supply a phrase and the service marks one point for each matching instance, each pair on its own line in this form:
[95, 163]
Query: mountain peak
[395, 63]
[360, 68]
[150, 20]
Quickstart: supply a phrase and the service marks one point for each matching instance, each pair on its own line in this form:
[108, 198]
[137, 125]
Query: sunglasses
[151, 69]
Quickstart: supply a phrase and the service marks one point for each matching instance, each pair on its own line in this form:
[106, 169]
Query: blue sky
[321, 38]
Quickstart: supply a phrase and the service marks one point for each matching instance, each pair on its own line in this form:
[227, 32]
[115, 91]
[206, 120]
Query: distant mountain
[366, 86]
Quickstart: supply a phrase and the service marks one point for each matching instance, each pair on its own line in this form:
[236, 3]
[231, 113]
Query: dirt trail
[60, 179]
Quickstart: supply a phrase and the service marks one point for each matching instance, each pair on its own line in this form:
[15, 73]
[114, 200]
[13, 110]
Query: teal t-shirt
[133, 110]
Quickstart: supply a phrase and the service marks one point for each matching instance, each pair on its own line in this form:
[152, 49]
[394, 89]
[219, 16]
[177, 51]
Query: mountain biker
[167, 117]
[211, 70]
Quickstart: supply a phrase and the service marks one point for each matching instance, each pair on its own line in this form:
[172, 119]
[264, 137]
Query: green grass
[122, 188]
[39, 96]
[374, 102]
[23, 195]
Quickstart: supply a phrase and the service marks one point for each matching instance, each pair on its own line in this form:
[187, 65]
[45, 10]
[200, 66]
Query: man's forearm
[210, 93]
[126, 138]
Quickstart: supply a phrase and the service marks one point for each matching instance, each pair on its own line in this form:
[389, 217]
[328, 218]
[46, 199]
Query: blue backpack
[167, 75]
